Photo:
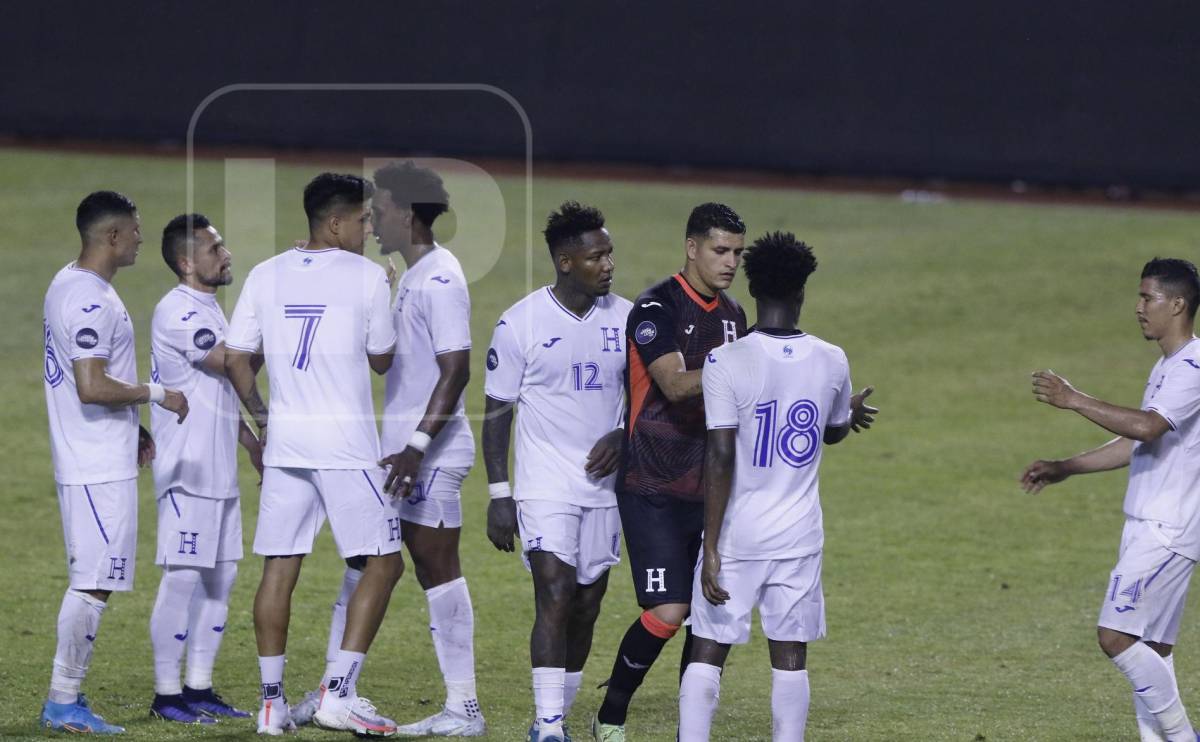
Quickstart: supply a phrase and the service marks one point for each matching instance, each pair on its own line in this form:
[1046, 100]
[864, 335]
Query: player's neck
[194, 284]
[573, 299]
[1171, 342]
[97, 262]
[777, 316]
[415, 251]
[692, 276]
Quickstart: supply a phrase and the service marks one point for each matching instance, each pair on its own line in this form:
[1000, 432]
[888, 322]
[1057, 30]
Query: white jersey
[1164, 476]
[780, 392]
[432, 313]
[83, 317]
[316, 314]
[566, 374]
[199, 455]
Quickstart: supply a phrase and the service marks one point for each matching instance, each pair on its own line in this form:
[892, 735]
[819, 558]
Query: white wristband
[499, 490]
[419, 441]
[157, 393]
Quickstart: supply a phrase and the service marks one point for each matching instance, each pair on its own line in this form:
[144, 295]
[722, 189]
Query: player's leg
[1143, 603]
[100, 533]
[791, 605]
[553, 593]
[363, 524]
[700, 690]
[431, 524]
[789, 689]
[598, 551]
[302, 712]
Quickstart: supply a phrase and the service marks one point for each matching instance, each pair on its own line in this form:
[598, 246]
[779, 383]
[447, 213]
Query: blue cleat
[76, 717]
[174, 708]
[207, 701]
[536, 735]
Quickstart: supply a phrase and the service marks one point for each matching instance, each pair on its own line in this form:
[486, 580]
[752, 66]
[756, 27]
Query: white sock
[548, 683]
[699, 694]
[452, 626]
[271, 671]
[337, 623]
[343, 678]
[169, 631]
[78, 622]
[789, 704]
[210, 608]
[571, 689]
[1148, 728]
[1154, 683]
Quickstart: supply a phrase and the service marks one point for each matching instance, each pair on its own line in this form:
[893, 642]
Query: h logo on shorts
[188, 545]
[393, 529]
[656, 580]
[534, 544]
[611, 335]
[730, 330]
[116, 568]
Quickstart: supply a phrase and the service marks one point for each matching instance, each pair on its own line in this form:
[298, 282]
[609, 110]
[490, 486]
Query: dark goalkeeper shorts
[663, 536]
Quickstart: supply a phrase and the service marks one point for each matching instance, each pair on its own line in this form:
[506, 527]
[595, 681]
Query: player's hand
[710, 568]
[176, 402]
[391, 273]
[1053, 389]
[145, 452]
[602, 460]
[502, 522]
[402, 471]
[1041, 473]
[861, 413]
[254, 448]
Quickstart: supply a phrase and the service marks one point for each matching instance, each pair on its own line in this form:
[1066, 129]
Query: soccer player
[1144, 599]
[90, 372]
[320, 316]
[195, 475]
[770, 400]
[671, 330]
[557, 356]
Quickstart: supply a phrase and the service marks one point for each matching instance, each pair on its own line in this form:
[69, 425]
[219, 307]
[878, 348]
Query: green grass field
[958, 608]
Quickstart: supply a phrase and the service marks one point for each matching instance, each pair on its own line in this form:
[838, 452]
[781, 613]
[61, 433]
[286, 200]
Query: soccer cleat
[175, 708]
[358, 715]
[274, 718]
[302, 713]
[206, 701]
[76, 717]
[445, 723]
[557, 732]
[607, 732]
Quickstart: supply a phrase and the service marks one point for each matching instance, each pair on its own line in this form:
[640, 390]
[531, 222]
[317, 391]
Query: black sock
[686, 657]
[636, 654]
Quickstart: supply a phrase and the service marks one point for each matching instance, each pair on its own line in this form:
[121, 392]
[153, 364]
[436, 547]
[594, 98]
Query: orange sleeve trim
[657, 626]
[639, 385]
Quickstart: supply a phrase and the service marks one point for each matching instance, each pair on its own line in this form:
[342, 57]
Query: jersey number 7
[310, 315]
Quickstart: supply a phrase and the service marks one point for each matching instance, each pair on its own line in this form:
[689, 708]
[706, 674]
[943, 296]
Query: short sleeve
[651, 330]
[505, 364]
[245, 328]
[840, 414]
[192, 334]
[720, 402]
[381, 331]
[448, 312]
[89, 322]
[1178, 398]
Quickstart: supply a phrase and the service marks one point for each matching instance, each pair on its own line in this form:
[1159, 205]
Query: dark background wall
[1071, 92]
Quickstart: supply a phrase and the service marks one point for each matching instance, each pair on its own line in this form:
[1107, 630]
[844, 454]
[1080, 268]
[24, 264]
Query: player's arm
[497, 435]
[1140, 425]
[718, 485]
[673, 378]
[1112, 455]
[651, 327]
[240, 371]
[454, 371]
[252, 444]
[214, 362]
[380, 363]
[381, 332]
[95, 386]
[861, 417]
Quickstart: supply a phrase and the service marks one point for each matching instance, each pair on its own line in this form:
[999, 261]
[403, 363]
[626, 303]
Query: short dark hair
[778, 265]
[566, 226]
[713, 216]
[176, 235]
[101, 204]
[329, 191]
[417, 188]
[1178, 276]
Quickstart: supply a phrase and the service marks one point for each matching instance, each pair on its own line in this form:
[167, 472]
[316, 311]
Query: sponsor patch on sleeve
[493, 359]
[204, 338]
[87, 338]
[645, 332]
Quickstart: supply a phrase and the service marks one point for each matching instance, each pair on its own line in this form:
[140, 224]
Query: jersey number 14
[795, 439]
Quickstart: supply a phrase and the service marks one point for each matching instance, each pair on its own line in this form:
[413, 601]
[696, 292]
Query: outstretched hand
[1052, 389]
[861, 413]
[1041, 473]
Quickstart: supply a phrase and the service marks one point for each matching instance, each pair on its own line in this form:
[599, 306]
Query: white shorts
[1148, 588]
[295, 502]
[100, 533]
[588, 539]
[787, 593]
[435, 499]
[198, 531]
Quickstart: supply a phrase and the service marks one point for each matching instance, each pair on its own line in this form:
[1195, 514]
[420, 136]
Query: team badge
[493, 360]
[204, 338]
[87, 338]
[645, 332]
